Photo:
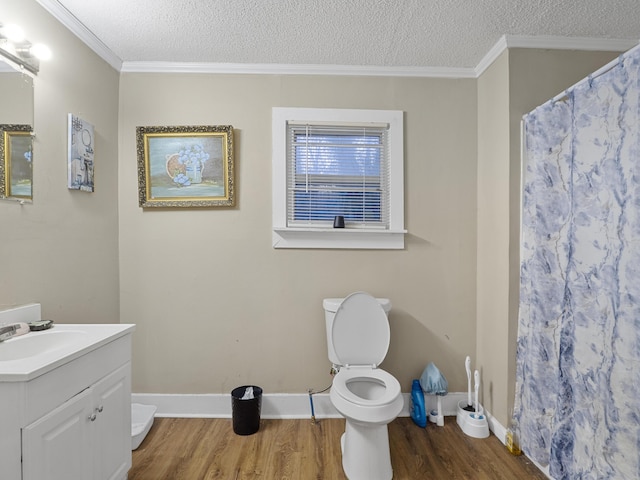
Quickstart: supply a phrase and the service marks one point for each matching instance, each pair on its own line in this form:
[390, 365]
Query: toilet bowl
[368, 397]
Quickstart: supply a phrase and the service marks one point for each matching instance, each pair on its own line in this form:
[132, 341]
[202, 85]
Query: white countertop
[31, 356]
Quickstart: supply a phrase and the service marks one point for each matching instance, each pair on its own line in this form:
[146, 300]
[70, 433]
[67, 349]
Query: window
[330, 162]
[337, 170]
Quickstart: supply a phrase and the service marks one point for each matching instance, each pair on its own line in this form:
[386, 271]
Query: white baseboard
[497, 428]
[274, 405]
[218, 405]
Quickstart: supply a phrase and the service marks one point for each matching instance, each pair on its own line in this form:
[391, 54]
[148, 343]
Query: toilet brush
[467, 366]
[476, 387]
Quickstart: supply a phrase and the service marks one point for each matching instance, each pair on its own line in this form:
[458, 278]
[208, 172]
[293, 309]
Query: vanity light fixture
[19, 52]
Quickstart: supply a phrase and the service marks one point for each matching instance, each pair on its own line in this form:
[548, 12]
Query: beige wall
[217, 306]
[519, 81]
[16, 98]
[62, 250]
[493, 233]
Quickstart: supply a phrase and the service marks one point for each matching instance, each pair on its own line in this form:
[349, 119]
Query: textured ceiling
[387, 33]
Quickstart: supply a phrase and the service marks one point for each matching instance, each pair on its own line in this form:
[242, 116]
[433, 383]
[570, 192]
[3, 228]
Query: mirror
[16, 121]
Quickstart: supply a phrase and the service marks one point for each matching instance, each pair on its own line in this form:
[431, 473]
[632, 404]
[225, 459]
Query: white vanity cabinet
[70, 420]
[85, 437]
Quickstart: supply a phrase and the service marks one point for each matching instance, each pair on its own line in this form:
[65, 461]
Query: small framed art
[80, 162]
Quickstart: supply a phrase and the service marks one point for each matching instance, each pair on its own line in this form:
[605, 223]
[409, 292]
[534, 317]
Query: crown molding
[290, 69]
[491, 56]
[552, 43]
[83, 33]
[570, 43]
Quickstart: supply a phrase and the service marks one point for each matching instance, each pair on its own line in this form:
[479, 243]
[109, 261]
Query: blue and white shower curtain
[578, 355]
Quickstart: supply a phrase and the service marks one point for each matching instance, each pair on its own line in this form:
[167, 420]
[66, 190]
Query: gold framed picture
[16, 167]
[189, 166]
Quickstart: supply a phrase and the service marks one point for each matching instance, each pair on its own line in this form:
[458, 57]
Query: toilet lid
[360, 331]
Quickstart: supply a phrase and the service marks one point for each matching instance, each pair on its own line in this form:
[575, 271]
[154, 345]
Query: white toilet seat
[365, 374]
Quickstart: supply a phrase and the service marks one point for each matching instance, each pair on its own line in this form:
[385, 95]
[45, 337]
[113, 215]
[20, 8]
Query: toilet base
[365, 452]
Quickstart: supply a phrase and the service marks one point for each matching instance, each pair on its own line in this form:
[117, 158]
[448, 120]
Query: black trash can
[246, 413]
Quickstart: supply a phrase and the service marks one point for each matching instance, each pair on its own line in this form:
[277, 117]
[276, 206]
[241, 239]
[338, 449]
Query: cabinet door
[112, 406]
[58, 446]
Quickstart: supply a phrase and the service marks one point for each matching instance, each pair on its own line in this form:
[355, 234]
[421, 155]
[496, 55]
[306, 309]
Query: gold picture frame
[16, 165]
[185, 166]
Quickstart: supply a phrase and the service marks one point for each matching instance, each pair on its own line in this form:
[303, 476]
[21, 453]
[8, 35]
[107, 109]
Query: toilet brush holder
[472, 424]
[463, 410]
[476, 426]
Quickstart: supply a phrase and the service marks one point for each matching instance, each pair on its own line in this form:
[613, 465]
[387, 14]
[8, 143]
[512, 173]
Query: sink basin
[38, 343]
[28, 356]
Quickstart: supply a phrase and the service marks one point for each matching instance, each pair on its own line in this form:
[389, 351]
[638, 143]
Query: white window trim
[288, 237]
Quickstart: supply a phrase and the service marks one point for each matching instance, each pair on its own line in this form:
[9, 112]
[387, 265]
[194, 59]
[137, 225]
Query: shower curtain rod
[601, 71]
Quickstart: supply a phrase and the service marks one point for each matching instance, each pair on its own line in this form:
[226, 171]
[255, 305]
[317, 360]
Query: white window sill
[347, 238]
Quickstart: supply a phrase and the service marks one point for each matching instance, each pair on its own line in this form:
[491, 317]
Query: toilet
[368, 397]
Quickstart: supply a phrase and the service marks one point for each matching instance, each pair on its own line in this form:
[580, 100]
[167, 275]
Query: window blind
[337, 170]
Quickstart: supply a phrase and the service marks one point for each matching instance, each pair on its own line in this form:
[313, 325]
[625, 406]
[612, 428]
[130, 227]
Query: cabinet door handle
[100, 409]
[92, 417]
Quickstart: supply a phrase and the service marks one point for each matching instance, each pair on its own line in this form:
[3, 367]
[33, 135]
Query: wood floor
[204, 449]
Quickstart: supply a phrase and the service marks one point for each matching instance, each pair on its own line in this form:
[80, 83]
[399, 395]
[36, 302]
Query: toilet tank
[330, 307]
